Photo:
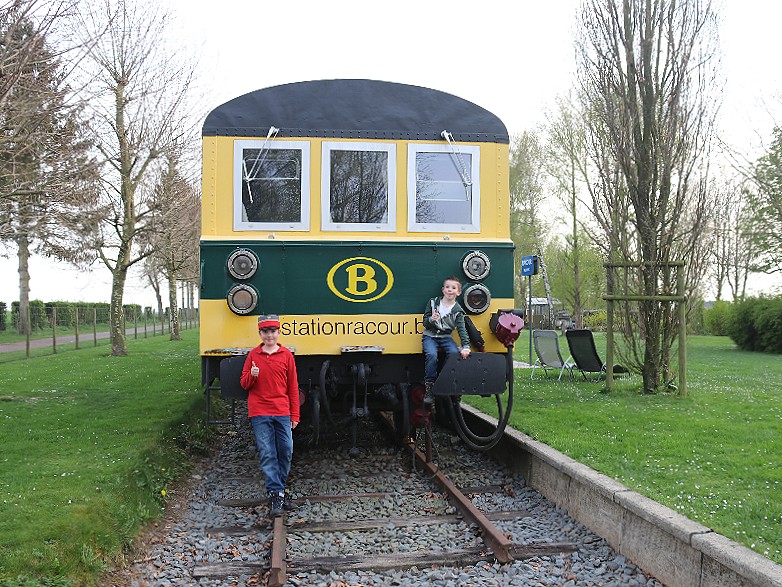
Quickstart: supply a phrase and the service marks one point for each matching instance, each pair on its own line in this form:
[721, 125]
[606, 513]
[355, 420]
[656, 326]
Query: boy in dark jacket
[441, 316]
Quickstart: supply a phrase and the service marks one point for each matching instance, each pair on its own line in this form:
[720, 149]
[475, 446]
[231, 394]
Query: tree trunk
[23, 322]
[118, 343]
[576, 269]
[173, 317]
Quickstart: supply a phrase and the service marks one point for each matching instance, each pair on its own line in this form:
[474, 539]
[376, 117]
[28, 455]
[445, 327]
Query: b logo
[360, 279]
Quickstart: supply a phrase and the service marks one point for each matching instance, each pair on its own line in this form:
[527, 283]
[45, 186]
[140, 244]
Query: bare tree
[177, 226]
[647, 83]
[527, 179]
[138, 85]
[567, 164]
[731, 250]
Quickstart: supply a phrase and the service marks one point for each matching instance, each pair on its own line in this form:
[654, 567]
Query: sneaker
[287, 504]
[275, 505]
[428, 395]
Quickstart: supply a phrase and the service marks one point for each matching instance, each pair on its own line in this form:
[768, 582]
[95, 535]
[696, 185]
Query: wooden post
[54, 329]
[530, 324]
[679, 298]
[95, 325]
[682, 333]
[610, 329]
[76, 325]
[27, 333]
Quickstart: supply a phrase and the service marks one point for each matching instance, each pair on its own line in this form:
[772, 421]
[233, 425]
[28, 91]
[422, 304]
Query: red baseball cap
[268, 321]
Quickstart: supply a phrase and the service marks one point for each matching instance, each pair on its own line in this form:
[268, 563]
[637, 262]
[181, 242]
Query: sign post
[529, 267]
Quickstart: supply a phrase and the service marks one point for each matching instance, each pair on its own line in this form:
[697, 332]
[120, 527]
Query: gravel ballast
[199, 535]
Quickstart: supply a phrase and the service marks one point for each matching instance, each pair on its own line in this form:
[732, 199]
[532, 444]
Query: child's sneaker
[275, 505]
[428, 395]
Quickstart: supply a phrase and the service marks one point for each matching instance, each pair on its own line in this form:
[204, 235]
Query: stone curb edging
[664, 543]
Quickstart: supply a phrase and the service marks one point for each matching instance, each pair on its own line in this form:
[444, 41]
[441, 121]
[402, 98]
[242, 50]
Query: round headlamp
[476, 265]
[242, 264]
[242, 299]
[477, 298]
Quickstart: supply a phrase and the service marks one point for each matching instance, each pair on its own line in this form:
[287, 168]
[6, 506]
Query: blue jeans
[274, 439]
[431, 346]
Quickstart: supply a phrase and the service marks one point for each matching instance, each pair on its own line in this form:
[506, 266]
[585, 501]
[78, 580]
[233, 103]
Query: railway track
[382, 518]
[423, 518]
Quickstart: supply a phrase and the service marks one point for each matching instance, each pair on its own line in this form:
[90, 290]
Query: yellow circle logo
[360, 279]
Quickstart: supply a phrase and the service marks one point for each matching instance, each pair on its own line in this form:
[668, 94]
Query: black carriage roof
[354, 108]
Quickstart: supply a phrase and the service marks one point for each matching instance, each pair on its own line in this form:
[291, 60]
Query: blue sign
[529, 265]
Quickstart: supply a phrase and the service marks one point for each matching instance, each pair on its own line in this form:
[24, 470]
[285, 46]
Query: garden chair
[584, 353]
[547, 348]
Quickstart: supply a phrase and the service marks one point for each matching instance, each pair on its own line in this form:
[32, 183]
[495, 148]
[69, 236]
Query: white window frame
[475, 210]
[304, 222]
[325, 199]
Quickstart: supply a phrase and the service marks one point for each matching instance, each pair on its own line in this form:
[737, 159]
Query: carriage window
[443, 188]
[271, 185]
[359, 186]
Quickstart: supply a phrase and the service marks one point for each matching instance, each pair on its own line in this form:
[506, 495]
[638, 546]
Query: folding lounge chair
[584, 353]
[547, 347]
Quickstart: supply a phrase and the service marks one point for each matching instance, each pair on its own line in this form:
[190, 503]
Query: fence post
[135, 323]
[76, 326]
[95, 325]
[27, 330]
[145, 323]
[54, 329]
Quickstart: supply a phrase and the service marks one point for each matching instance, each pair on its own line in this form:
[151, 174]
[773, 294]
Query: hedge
[755, 324]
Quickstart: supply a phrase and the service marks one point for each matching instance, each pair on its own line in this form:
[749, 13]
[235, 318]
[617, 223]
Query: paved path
[85, 338]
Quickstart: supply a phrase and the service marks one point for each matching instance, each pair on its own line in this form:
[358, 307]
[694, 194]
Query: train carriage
[341, 205]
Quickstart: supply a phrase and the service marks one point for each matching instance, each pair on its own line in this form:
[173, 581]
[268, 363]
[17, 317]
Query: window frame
[412, 183]
[325, 200]
[304, 218]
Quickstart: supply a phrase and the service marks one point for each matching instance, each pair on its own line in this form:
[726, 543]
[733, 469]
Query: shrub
[65, 312]
[755, 324]
[132, 312]
[717, 318]
[595, 321]
[3, 325]
[38, 317]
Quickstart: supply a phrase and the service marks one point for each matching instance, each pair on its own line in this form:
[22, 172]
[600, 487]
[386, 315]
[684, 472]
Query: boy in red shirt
[269, 374]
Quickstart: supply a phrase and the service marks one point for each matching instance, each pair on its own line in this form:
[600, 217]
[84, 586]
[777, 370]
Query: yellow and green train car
[341, 205]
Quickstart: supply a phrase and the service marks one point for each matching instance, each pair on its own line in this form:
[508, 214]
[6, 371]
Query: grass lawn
[90, 445]
[714, 456]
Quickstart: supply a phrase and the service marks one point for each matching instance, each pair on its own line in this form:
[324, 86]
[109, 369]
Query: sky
[512, 58]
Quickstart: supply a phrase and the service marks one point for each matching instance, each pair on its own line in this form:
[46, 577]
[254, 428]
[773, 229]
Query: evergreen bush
[717, 317]
[755, 324]
[65, 312]
[595, 321]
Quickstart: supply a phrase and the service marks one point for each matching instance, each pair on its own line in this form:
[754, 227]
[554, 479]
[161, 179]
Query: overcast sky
[512, 58]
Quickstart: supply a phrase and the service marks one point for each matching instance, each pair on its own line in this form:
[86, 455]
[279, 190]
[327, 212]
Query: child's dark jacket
[446, 324]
